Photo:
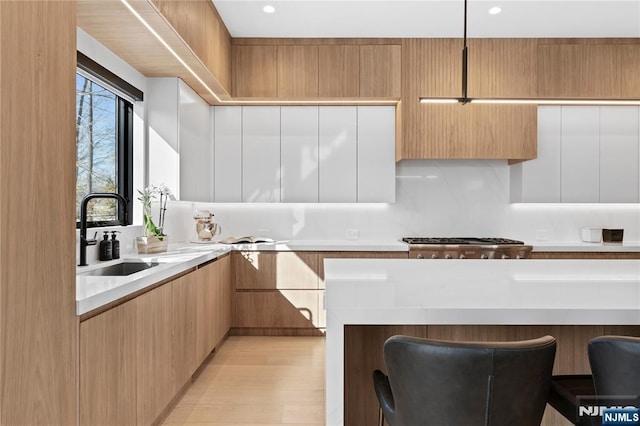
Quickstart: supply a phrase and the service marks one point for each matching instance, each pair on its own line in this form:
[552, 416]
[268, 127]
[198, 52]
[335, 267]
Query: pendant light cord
[465, 55]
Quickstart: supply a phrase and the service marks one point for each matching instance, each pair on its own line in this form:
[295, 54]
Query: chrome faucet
[84, 242]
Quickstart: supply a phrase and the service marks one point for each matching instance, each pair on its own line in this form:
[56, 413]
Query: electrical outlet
[353, 234]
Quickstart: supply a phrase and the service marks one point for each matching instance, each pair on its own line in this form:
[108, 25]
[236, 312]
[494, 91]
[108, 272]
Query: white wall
[434, 198]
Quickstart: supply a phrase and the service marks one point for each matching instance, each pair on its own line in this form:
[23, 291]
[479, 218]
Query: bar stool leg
[380, 417]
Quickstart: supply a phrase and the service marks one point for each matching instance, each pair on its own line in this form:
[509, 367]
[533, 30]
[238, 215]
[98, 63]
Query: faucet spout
[84, 242]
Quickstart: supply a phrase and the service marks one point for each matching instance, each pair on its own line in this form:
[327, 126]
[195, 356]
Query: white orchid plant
[162, 194]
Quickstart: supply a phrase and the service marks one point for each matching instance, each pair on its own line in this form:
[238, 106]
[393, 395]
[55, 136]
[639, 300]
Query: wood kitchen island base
[368, 301]
[363, 354]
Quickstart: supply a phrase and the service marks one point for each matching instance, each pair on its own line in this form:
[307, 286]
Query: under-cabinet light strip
[166, 45]
[606, 102]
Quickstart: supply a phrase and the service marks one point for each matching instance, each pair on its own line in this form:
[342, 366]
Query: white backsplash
[127, 237]
[433, 198]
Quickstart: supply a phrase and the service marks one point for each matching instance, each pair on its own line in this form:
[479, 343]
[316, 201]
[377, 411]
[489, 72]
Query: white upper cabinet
[161, 101]
[580, 155]
[376, 174]
[196, 150]
[538, 181]
[227, 142]
[261, 154]
[299, 154]
[585, 155]
[338, 154]
[619, 155]
[179, 128]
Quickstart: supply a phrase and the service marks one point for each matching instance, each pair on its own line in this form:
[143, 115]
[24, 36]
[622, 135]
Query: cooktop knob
[448, 256]
[462, 256]
[484, 256]
[434, 256]
[419, 256]
[504, 256]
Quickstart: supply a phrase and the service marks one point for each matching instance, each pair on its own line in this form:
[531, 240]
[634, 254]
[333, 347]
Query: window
[104, 142]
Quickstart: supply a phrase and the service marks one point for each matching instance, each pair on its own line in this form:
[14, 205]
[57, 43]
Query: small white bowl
[591, 235]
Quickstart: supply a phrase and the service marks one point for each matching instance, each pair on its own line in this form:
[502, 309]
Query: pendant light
[464, 99]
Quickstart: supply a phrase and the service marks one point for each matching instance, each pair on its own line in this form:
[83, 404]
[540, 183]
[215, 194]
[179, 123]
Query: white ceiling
[431, 18]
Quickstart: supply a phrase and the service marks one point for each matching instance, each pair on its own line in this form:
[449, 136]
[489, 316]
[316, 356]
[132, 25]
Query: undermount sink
[121, 269]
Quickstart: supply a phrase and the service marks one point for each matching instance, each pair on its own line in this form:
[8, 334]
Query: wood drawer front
[277, 309]
[269, 271]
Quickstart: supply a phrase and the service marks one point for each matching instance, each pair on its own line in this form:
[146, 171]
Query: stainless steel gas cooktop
[466, 248]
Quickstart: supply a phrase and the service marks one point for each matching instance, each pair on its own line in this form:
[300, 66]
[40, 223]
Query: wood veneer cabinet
[153, 353]
[108, 367]
[363, 346]
[136, 357]
[339, 71]
[39, 343]
[432, 68]
[380, 67]
[604, 69]
[281, 293]
[297, 71]
[585, 255]
[200, 26]
[312, 69]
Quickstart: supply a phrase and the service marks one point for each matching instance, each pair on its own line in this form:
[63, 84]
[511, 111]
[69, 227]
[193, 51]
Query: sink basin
[121, 269]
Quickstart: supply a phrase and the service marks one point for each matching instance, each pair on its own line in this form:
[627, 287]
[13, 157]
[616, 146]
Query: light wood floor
[258, 381]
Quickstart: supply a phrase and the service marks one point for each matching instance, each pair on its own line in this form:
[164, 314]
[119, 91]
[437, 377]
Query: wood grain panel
[206, 299]
[113, 25]
[584, 255]
[275, 270]
[183, 330]
[363, 354]
[108, 368]
[277, 309]
[217, 47]
[339, 71]
[38, 326]
[579, 71]
[502, 68]
[297, 71]
[255, 71]
[431, 67]
[473, 131]
[188, 19]
[629, 66]
[224, 314]
[153, 360]
[248, 41]
[380, 71]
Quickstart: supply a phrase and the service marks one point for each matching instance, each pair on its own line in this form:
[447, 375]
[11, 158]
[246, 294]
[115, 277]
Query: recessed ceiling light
[495, 10]
[269, 9]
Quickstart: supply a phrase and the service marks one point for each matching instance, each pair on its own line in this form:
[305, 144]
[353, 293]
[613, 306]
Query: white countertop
[626, 246]
[326, 245]
[514, 292]
[95, 291]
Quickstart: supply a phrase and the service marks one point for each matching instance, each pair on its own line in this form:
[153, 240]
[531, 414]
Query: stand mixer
[206, 228]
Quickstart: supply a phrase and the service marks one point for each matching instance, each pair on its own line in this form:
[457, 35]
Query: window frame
[125, 94]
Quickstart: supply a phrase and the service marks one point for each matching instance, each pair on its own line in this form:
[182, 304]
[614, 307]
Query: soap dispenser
[115, 245]
[106, 252]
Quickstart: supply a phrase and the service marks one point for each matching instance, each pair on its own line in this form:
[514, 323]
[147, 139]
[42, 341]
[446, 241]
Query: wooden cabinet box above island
[368, 300]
